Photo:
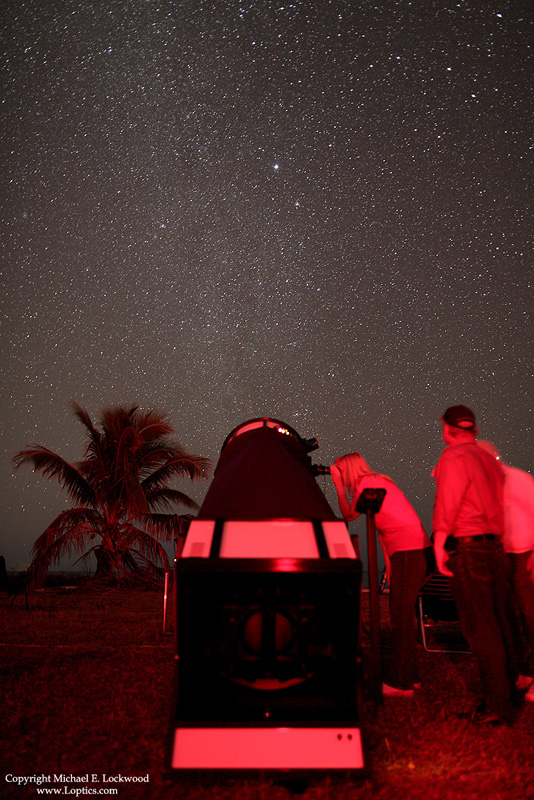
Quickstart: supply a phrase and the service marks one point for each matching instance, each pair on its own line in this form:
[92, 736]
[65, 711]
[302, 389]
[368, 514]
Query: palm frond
[145, 543]
[155, 453]
[50, 465]
[133, 497]
[154, 429]
[143, 568]
[114, 420]
[181, 466]
[126, 472]
[129, 443]
[68, 534]
[166, 526]
[93, 452]
[84, 418]
[152, 425]
[165, 499]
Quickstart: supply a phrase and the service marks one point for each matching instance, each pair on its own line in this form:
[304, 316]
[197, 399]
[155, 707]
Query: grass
[87, 683]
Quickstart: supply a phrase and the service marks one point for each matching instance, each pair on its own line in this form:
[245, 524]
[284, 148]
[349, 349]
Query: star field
[318, 211]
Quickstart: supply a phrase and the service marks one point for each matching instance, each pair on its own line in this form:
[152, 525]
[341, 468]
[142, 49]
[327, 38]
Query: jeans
[408, 570]
[482, 591]
[523, 587]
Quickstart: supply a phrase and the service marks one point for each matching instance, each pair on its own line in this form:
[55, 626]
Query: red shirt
[518, 510]
[469, 492]
[397, 522]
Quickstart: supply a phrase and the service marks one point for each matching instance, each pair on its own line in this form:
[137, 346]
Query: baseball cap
[459, 417]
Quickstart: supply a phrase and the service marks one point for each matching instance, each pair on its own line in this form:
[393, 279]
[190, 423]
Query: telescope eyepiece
[319, 469]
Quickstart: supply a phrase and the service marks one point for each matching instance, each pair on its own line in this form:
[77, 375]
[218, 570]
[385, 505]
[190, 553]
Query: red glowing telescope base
[268, 748]
[266, 611]
[267, 674]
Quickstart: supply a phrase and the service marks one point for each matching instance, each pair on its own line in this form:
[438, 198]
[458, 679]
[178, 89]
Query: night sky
[317, 211]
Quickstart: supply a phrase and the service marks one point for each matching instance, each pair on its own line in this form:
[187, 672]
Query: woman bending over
[408, 557]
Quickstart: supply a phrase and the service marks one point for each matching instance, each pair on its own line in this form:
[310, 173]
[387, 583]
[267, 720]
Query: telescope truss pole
[374, 609]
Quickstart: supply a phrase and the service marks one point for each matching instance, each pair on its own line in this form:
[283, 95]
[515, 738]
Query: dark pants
[482, 591]
[408, 570]
[523, 587]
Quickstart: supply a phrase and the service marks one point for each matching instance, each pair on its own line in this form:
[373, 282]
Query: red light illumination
[286, 564]
[267, 748]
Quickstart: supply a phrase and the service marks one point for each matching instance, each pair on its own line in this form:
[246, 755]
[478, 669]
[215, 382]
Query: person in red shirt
[518, 543]
[408, 555]
[468, 525]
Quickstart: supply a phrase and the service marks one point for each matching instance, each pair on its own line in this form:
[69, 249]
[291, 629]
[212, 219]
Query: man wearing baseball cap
[468, 524]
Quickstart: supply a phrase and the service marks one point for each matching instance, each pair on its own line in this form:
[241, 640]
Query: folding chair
[437, 610]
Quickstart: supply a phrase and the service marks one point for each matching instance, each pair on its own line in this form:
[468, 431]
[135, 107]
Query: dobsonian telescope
[267, 604]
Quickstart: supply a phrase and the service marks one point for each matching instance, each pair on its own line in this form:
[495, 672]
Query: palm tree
[120, 491]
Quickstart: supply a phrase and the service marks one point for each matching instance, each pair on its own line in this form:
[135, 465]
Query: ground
[87, 677]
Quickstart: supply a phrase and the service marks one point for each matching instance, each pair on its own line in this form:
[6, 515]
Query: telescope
[319, 469]
[267, 604]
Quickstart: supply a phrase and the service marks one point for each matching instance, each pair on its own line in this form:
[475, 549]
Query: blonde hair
[353, 468]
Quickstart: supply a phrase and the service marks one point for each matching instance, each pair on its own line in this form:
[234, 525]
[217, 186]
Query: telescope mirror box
[272, 538]
[266, 627]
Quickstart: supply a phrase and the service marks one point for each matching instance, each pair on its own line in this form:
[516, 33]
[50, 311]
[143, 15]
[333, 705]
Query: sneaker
[391, 691]
[487, 718]
[529, 697]
[482, 716]
[524, 682]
